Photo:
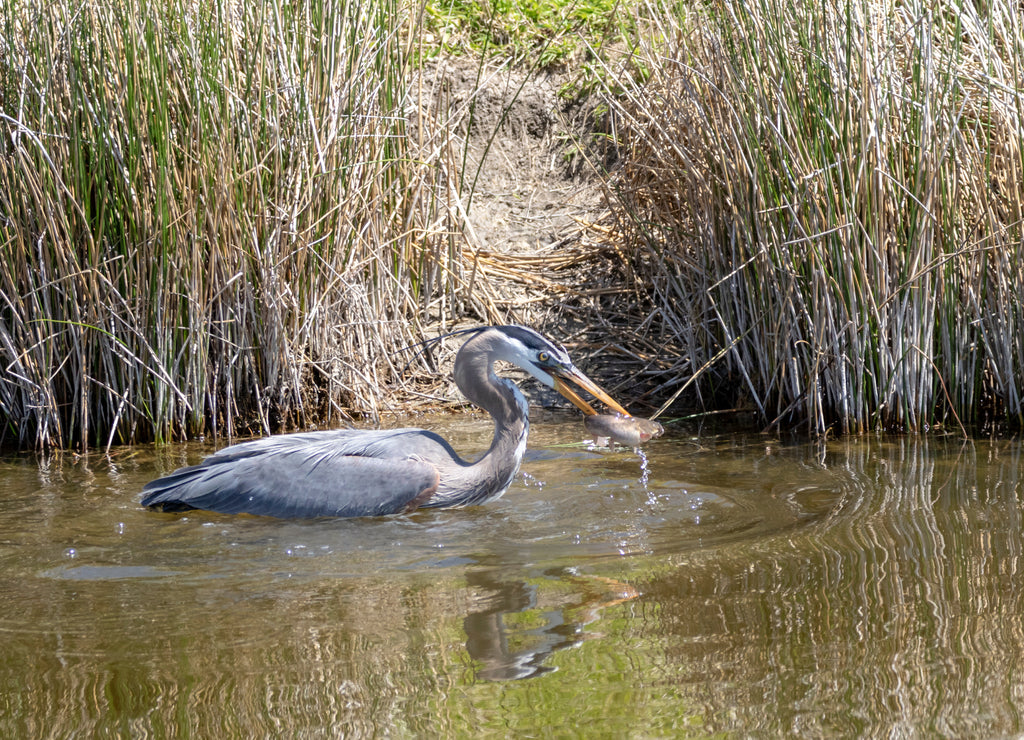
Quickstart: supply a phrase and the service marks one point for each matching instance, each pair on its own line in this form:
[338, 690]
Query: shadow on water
[733, 585]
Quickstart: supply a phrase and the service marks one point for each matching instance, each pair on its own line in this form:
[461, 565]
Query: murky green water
[738, 586]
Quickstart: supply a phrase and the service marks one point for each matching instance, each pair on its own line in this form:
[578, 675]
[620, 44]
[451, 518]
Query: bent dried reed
[209, 211]
[825, 200]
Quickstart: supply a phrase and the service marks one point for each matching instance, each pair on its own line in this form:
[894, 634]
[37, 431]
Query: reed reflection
[877, 592]
[902, 610]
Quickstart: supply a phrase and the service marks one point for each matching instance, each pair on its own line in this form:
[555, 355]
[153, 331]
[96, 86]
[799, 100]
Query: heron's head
[549, 363]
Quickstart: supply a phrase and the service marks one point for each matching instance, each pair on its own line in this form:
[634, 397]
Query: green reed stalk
[209, 212]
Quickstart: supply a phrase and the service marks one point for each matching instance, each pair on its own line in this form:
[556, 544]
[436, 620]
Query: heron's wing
[307, 475]
[392, 444]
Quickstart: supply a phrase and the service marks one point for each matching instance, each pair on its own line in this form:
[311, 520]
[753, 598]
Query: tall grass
[210, 212]
[825, 198]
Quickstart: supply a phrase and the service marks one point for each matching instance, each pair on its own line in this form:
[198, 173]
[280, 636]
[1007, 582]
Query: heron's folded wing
[297, 483]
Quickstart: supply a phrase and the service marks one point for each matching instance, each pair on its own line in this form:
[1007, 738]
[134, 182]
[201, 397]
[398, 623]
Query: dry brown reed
[824, 203]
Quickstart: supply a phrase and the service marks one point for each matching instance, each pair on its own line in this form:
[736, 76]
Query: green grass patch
[544, 34]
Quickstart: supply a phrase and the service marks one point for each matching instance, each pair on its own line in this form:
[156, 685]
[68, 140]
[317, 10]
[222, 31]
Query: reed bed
[824, 202]
[212, 214]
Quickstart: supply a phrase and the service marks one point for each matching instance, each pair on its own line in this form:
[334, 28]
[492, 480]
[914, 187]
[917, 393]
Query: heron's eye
[543, 356]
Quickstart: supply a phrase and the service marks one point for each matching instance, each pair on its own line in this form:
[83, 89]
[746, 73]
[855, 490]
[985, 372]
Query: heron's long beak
[574, 375]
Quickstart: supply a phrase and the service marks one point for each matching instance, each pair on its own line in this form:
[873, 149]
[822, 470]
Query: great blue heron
[352, 472]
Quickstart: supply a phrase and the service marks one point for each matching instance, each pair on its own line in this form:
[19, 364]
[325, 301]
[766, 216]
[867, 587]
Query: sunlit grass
[825, 199]
[209, 211]
[544, 33]
[215, 214]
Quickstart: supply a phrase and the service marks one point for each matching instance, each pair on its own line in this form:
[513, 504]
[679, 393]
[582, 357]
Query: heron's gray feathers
[343, 473]
[369, 473]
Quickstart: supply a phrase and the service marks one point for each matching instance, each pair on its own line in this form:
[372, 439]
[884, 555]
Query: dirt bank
[533, 201]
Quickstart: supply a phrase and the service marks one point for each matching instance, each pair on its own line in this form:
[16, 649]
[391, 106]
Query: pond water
[715, 585]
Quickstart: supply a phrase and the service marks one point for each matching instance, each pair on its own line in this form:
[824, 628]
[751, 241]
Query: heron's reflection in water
[518, 628]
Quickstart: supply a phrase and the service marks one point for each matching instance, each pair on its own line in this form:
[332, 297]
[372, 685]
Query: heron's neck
[503, 400]
[512, 423]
